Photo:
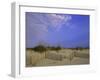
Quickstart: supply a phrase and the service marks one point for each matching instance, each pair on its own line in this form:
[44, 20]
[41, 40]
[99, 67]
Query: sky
[51, 29]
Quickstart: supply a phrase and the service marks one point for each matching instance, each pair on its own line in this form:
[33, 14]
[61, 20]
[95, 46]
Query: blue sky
[50, 29]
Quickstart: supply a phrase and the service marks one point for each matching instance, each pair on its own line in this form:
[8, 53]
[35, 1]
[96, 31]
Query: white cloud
[38, 23]
[36, 26]
[57, 20]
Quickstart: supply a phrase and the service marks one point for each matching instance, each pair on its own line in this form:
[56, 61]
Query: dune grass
[70, 55]
[41, 48]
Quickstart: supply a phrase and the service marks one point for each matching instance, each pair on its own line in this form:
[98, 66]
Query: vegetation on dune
[78, 48]
[81, 48]
[40, 48]
[55, 48]
[73, 53]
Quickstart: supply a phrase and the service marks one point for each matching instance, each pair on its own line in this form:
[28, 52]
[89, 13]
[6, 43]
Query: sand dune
[55, 58]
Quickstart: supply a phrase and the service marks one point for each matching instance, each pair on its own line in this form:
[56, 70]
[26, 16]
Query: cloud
[41, 29]
[38, 24]
[36, 28]
[57, 20]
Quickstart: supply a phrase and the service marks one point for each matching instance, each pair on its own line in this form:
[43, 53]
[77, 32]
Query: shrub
[55, 48]
[39, 48]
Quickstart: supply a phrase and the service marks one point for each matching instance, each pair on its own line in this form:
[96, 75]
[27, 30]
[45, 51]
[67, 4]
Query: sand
[57, 58]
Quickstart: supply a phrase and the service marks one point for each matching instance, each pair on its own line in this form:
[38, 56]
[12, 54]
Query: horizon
[51, 29]
[58, 46]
